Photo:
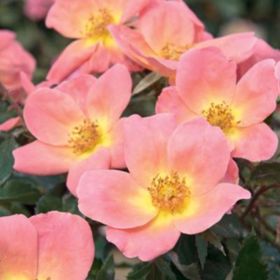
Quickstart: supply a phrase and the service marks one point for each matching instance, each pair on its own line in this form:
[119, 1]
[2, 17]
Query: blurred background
[220, 16]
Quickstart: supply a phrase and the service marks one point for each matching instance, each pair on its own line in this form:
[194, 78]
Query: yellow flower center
[169, 193]
[172, 52]
[85, 137]
[96, 26]
[220, 115]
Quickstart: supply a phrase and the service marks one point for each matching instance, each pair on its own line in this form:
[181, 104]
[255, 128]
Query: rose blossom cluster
[147, 179]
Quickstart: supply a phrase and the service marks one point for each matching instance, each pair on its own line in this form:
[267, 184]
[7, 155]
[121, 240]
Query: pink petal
[41, 159]
[79, 89]
[167, 22]
[134, 8]
[201, 152]
[170, 102]
[236, 47]
[261, 51]
[10, 124]
[51, 124]
[146, 242]
[117, 146]
[7, 37]
[205, 76]
[18, 248]
[69, 17]
[118, 200]
[255, 143]
[145, 145]
[139, 51]
[232, 173]
[256, 93]
[110, 94]
[206, 210]
[72, 57]
[99, 160]
[66, 246]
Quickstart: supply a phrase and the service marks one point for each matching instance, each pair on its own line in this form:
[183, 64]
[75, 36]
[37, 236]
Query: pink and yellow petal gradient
[94, 49]
[166, 30]
[207, 86]
[173, 181]
[74, 123]
[60, 246]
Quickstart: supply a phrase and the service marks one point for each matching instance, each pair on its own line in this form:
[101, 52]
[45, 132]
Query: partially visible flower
[261, 51]
[168, 29]
[37, 9]
[14, 60]
[206, 86]
[173, 186]
[87, 21]
[46, 246]
[77, 126]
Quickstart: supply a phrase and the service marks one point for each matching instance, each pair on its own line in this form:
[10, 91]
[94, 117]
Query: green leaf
[217, 265]
[19, 190]
[271, 256]
[228, 227]
[49, 202]
[202, 246]
[249, 264]
[160, 269]
[186, 249]
[266, 174]
[70, 204]
[107, 271]
[6, 159]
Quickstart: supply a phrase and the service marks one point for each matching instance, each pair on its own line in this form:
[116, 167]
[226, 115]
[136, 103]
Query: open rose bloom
[147, 132]
[206, 86]
[52, 246]
[88, 21]
[77, 126]
[166, 30]
[173, 186]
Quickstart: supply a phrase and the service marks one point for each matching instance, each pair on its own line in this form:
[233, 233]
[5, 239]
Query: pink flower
[77, 126]
[173, 186]
[261, 51]
[46, 246]
[166, 30]
[37, 9]
[87, 21]
[14, 60]
[206, 86]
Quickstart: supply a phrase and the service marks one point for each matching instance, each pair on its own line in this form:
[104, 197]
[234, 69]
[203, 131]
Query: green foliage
[249, 264]
[6, 159]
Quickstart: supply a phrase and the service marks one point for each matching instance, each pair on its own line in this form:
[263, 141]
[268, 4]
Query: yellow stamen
[84, 138]
[220, 114]
[169, 193]
[96, 26]
[172, 52]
